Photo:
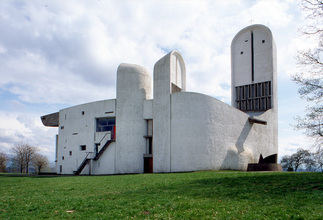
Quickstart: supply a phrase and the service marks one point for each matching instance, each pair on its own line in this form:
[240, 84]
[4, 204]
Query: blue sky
[55, 54]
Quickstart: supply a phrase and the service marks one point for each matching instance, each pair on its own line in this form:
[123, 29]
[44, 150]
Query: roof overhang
[51, 120]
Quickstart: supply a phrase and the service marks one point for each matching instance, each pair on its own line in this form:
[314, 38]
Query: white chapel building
[172, 130]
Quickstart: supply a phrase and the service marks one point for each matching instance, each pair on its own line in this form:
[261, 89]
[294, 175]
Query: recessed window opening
[263, 41]
[259, 90]
[149, 145]
[82, 112]
[62, 127]
[254, 97]
[62, 157]
[71, 153]
[241, 52]
[105, 124]
[175, 88]
[83, 147]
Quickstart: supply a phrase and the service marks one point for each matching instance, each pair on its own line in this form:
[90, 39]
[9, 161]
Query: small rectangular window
[62, 157]
[82, 112]
[70, 153]
[83, 147]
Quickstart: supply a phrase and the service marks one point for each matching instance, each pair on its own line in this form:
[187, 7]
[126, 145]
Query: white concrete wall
[265, 59]
[133, 87]
[191, 131]
[265, 69]
[148, 109]
[169, 69]
[106, 163]
[207, 134]
[76, 129]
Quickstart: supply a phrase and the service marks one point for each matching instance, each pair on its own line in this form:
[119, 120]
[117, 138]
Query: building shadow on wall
[237, 153]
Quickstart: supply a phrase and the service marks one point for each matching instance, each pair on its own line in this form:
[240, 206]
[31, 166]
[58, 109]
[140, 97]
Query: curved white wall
[207, 134]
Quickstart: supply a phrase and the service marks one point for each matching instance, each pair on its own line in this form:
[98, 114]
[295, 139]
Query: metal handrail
[87, 154]
[104, 137]
[83, 164]
[112, 137]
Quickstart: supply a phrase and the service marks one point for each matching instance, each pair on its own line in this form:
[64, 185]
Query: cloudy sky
[56, 54]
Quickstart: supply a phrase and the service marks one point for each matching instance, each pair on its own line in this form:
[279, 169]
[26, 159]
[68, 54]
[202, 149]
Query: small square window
[83, 147]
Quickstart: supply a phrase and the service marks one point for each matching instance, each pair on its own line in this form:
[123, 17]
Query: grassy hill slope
[198, 195]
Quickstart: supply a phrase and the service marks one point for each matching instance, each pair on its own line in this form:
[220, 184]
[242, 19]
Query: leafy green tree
[310, 75]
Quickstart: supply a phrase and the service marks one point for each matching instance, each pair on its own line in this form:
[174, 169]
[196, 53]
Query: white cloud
[289, 145]
[75, 47]
[18, 128]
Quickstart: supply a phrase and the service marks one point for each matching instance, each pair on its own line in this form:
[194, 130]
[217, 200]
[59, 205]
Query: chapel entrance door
[148, 165]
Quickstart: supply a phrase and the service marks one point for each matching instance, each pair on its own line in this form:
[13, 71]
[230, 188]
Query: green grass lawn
[198, 195]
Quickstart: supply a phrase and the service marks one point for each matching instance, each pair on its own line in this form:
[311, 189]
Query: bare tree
[3, 162]
[301, 157]
[23, 155]
[287, 163]
[40, 162]
[310, 162]
[18, 160]
[318, 157]
[298, 159]
[310, 75]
